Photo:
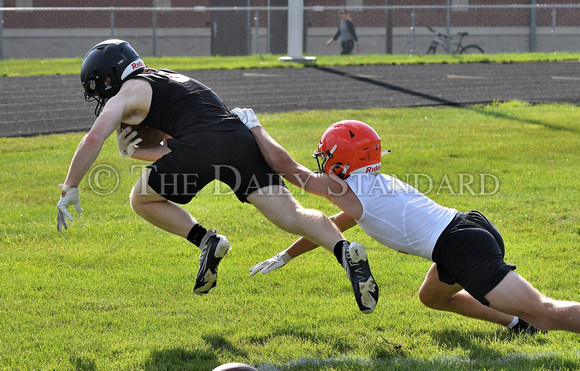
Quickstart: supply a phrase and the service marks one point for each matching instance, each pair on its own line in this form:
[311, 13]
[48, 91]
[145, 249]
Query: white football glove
[247, 116]
[126, 141]
[269, 265]
[69, 196]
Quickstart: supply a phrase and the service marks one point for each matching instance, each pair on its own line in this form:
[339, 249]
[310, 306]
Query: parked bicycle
[441, 39]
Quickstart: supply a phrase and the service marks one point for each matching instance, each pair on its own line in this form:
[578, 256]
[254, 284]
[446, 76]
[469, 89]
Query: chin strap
[100, 104]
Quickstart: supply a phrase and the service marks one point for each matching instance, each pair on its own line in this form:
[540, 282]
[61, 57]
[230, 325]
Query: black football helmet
[104, 69]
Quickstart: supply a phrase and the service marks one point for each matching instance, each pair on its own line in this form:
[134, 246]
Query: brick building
[64, 28]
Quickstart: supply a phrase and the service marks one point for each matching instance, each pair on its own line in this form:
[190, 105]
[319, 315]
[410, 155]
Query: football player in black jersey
[207, 142]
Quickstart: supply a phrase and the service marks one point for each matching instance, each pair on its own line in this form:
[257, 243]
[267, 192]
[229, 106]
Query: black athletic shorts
[232, 157]
[470, 252]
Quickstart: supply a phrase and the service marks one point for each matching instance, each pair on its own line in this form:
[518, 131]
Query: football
[234, 367]
[149, 137]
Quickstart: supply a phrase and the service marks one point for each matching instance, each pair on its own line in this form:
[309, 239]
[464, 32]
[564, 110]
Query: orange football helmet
[348, 147]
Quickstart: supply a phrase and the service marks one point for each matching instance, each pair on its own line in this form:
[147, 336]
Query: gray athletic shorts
[470, 252]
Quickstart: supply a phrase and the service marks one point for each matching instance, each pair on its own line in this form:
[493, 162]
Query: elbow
[93, 140]
[282, 163]
[279, 164]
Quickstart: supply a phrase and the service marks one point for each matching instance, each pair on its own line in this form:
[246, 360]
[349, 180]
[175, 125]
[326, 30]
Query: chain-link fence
[261, 27]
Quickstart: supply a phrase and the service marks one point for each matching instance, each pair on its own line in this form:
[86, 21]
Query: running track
[54, 104]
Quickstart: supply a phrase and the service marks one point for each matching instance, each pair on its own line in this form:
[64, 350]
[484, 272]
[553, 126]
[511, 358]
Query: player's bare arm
[130, 105]
[151, 154]
[133, 101]
[320, 184]
[342, 220]
[282, 163]
[137, 102]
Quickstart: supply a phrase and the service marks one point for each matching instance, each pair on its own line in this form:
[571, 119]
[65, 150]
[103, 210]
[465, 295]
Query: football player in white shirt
[468, 275]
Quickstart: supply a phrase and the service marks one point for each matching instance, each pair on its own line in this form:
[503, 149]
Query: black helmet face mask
[92, 94]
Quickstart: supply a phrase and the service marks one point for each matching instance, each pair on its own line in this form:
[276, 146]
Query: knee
[428, 299]
[436, 300]
[138, 195]
[136, 200]
[544, 316]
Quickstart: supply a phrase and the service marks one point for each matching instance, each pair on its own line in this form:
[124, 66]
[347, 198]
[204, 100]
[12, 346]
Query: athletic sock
[338, 250]
[196, 234]
[514, 322]
[520, 327]
[523, 327]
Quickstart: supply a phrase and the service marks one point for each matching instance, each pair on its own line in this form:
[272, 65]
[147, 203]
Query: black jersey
[181, 105]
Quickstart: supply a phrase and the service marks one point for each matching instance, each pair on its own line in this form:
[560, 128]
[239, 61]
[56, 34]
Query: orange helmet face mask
[348, 147]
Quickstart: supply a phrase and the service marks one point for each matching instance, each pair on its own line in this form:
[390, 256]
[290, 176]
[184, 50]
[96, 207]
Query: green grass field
[114, 293]
[20, 67]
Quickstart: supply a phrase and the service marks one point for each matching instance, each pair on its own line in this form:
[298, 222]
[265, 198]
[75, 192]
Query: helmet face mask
[348, 147]
[104, 69]
[91, 90]
[324, 157]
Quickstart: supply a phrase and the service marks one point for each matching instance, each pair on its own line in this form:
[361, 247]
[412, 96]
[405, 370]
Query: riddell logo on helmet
[373, 169]
[134, 66]
[137, 64]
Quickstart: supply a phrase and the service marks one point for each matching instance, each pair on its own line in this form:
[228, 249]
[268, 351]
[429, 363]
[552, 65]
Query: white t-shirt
[398, 215]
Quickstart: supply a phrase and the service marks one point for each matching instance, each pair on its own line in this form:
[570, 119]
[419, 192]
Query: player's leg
[469, 256]
[517, 296]
[277, 204]
[452, 298]
[158, 211]
[172, 218]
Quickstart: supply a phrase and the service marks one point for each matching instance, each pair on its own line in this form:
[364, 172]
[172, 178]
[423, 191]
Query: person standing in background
[346, 32]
